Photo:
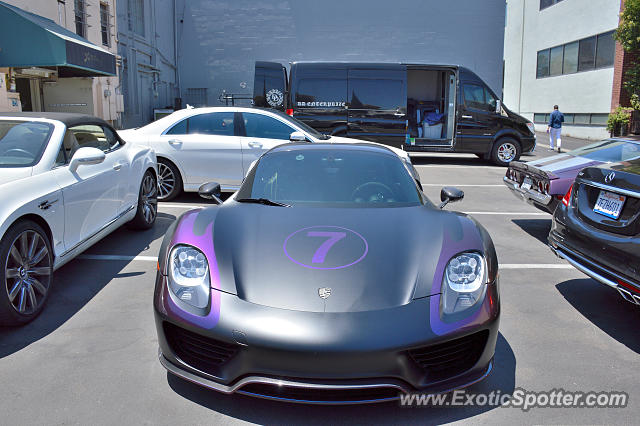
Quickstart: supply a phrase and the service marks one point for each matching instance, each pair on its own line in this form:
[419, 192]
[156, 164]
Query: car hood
[291, 258]
[13, 174]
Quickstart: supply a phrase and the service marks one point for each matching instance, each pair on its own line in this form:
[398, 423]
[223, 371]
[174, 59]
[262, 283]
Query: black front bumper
[328, 358]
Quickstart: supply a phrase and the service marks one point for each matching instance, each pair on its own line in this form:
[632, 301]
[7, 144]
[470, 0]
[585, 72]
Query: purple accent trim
[325, 234]
[184, 235]
[332, 238]
[469, 241]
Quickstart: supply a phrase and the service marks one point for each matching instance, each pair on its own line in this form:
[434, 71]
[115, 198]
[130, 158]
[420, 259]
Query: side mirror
[86, 156]
[211, 191]
[449, 194]
[297, 137]
[498, 106]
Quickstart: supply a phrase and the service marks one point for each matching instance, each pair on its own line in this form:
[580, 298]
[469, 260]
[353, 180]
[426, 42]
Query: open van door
[270, 85]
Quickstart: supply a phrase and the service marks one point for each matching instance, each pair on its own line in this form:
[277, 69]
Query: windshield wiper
[264, 201]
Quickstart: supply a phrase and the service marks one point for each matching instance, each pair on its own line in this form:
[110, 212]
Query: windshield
[332, 178]
[309, 130]
[22, 142]
[609, 151]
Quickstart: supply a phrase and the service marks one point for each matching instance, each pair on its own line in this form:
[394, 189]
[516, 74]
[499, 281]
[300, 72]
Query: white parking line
[155, 259]
[118, 258]
[440, 185]
[461, 166]
[184, 206]
[510, 213]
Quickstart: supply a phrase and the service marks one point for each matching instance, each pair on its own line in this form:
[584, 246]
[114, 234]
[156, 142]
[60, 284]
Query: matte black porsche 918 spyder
[329, 277]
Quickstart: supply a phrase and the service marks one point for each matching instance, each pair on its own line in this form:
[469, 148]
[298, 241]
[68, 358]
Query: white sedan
[199, 145]
[66, 181]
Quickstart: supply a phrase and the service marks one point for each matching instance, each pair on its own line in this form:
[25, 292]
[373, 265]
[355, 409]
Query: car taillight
[567, 196]
[290, 112]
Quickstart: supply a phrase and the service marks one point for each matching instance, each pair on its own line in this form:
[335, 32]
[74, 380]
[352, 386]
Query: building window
[136, 16]
[81, 18]
[62, 13]
[583, 55]
[105, 27]
[546, 3]
[578, 119]
[196, 97]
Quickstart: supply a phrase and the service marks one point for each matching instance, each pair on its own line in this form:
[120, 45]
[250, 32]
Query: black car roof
[358, 146]
[69, 119]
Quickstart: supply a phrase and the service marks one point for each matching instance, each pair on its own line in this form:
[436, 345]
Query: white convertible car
[199, 145]
[66, 181]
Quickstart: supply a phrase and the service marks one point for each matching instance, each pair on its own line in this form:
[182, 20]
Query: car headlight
[532, 127]
[189, 275]
[464, 282]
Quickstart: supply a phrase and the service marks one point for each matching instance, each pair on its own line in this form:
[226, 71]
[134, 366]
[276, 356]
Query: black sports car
[327, 278]
[596, 226]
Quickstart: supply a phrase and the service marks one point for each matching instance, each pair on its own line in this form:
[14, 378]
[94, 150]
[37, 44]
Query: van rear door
[378, 104]
[270, 85]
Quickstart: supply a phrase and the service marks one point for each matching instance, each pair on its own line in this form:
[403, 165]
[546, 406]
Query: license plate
[609, 204]
[527, 183]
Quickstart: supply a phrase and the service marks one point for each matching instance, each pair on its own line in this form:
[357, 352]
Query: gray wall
[147, 71]
[219, 40]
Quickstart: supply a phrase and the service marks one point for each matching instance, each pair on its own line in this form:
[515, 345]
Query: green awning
[29, 40]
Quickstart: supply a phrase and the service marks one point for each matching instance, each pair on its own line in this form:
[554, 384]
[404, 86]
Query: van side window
[478, 97]
[262, 126]
[329, 92]
[380, 94]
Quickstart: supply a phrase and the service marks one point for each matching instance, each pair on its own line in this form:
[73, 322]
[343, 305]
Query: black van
[419, 108]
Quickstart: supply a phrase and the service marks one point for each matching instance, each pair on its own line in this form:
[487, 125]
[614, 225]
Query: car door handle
[117, 166]
[399, 114]
[255, 145]
[467, 116]
[175, 142]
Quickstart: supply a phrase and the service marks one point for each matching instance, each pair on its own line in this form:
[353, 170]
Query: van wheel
[26, 273]
[169, 180]
[505, 151]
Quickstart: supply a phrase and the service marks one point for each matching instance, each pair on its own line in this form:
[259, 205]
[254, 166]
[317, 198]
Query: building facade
[220, 40]
[146, 45]
[65, 80]
[562, 52]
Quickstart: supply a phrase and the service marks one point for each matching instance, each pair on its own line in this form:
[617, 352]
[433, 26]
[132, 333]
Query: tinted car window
[178, 129]
[321, 92]
[375, 94]
[215, 123]
[263, 126]
[329, 177]
[474, 96]
[22, 143]
[609, 151]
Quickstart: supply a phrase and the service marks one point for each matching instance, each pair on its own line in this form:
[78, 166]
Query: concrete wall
[147, 68]
[219, 40]
[529, 30]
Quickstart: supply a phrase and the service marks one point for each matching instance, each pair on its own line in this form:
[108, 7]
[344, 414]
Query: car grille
[202, 353]
[451, 358]
[301, 394]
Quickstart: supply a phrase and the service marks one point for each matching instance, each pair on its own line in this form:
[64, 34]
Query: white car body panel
[208, 158]
[79, 207]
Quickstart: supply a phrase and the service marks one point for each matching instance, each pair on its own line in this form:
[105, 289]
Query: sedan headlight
[189, 276]
[464, 279]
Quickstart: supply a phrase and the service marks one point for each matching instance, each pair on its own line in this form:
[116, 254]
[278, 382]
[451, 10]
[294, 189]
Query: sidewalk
[542, 146]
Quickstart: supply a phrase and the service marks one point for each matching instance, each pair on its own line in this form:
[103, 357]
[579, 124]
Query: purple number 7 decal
[332, 238]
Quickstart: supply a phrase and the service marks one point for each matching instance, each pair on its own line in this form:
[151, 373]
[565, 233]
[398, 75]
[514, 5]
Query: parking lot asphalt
[91, 357]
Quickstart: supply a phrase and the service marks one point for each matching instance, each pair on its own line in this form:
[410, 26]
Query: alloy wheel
[166, 180]
[507, 152]
[149, 198]
[28, 272]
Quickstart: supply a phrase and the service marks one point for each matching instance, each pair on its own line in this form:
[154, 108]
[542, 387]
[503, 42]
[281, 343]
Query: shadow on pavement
[76, 283]
[537, 228]
[263, 411]
[605, 308]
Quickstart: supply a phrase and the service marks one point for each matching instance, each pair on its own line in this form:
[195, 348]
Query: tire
[147, 203]
[505, 150]
[26, 273]
[169, 180]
